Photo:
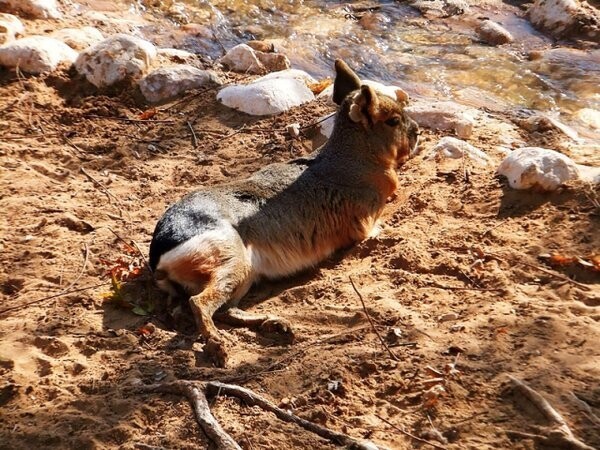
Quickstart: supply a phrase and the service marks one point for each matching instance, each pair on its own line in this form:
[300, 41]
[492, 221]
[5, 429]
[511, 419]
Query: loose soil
[453, 278]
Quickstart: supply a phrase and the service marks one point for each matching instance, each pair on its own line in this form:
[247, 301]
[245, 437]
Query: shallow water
[393, 43]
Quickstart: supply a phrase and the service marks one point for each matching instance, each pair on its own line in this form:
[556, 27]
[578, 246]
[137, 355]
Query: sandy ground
[454, 278]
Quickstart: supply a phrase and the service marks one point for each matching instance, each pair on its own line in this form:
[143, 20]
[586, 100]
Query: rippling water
[393, 43]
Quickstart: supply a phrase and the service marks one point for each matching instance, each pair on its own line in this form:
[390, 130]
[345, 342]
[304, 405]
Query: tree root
[198, 391]
[559, 435]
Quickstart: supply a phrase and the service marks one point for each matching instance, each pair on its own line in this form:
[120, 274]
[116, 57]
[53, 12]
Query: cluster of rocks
[103, 61]
[106, 61]
[559, 18]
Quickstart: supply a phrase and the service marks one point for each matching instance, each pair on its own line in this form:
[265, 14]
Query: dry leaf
[148, 114]
[146, 330]
[320, 86]
[557, 259]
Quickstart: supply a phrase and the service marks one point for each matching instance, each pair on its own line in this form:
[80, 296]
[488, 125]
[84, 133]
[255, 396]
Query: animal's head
[380, 120]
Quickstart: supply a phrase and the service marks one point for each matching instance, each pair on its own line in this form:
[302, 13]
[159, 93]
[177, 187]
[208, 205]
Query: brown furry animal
[216, 242]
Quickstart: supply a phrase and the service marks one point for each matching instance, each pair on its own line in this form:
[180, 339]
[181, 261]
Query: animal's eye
[393, 121]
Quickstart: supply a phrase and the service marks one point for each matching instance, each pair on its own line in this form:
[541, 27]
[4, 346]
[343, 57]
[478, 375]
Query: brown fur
[289, 216]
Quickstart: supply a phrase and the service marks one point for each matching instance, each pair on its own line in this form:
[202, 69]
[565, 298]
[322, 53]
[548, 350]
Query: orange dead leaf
[320, 86]
[129, 249]
[146, 330]
[148, 114]
[556, 259]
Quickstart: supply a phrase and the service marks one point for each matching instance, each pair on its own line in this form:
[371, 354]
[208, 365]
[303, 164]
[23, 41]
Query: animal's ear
[366, 107]
[346, 81]
[401, 96]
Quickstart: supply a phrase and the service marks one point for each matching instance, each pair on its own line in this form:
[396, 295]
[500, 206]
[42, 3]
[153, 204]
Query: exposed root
[559, 435]
[197, 392]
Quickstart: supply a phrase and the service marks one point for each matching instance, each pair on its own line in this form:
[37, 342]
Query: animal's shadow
[154, 306]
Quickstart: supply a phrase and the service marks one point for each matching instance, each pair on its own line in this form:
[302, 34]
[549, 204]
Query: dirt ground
[454, 283]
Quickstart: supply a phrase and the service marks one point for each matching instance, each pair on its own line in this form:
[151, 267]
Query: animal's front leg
[265, 324]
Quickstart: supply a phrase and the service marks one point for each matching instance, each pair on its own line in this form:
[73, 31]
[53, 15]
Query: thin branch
[194, 391]
[560, 435]
[542, 269]
[99, 185]
[252, 399]
[50, 297]
[135, 244]
[128, 120]
[194, 137]
[412, 436]
[371, 321]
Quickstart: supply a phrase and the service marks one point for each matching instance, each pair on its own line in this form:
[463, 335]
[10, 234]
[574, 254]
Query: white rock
[295, 74]
[443, 116]
[245, 59]
[115, 59]
[168, 82]
[450, 147]
[271, 94]
[10, 27]
[564, 18]
[493, 33]
[79, 38]
[36, 54]
[591, 117]
[42, 9]
[534, 167]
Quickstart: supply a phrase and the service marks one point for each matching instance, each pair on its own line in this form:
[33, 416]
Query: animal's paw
[216, 352]
[278, 329]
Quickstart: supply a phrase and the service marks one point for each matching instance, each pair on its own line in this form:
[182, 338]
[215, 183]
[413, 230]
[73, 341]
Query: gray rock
[39, 9]
[169, 82]
[493, 33]
[566, 18]
[115, 59]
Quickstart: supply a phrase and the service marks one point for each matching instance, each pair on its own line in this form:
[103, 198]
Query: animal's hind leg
[227, 280]
[264, 323]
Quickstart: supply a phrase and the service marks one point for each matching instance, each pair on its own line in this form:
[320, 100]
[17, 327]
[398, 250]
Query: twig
[197, 393]
[322, 119]
[65, 291]
[137, 247]
[542, 269]
[462, 288]
[560, 435]
[126, 119]
[371, 321]
[590, 414]
[31, 136]
[253, 399]
[412, 436]
[194, 137]
[272, 367]
[100, 185]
